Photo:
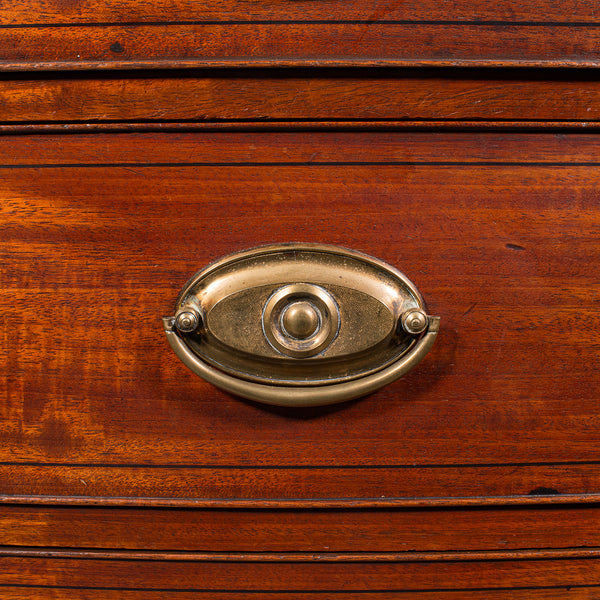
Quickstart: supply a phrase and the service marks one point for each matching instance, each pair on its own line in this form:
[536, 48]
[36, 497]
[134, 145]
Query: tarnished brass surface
[300, 319]
[300, 324]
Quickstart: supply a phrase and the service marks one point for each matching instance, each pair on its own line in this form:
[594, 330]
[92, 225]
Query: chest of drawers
[456, 141]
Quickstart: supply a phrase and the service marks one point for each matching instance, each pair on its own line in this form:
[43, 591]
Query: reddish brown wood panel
[499, 232]
[401, 578]
[314, 43]
[379, 483]
[341, 530]
[61, 11]
[289, 95]
[58, 593]
[303, 125]
[301, 149]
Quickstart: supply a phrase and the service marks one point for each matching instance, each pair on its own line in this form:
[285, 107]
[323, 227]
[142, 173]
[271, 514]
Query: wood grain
[58, 593]
[297, 149]
[302, 557]
[271, 126]
[540, 498]
[31, 12]
[564, 528]
[401, 578]
[98, 254]
[32, 592]
[289, 43]
[403, 485]
[300, 95]
[122, 475]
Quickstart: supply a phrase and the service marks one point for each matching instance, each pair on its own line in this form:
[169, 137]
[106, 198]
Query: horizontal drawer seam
[301, 503]
[180, 125]
[379, 22]
[120, 65]
[301, 592]
[301, 557]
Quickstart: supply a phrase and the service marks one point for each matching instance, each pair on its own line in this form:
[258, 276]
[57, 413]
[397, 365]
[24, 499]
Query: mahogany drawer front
[143, 140]
[499, 231]
[478, 471]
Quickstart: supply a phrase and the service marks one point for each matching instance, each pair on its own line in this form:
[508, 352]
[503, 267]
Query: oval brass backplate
[300, 324]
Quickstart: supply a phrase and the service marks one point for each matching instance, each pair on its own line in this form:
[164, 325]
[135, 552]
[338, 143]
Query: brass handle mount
[300, 324]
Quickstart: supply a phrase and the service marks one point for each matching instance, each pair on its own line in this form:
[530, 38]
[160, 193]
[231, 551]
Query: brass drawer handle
[300, 324]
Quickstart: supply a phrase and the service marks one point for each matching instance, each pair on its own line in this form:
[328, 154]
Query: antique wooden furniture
[455, 141]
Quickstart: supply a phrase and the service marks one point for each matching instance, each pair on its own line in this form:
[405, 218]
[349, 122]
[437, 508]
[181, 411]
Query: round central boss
[300, 319]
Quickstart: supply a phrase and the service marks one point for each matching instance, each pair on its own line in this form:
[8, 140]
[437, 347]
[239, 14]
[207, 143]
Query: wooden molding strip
[300, 503]
[305, 557]
[53, 128]
[203, 63]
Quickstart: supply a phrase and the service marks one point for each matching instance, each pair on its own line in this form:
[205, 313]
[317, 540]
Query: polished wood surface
[366, 44]
[444, 96]
[402, 578]
[261, 530]
[98, 234]
[142, 140]
[34, 12]
[144, 34]
[114, 238]
[403, 485]
[57, 592]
